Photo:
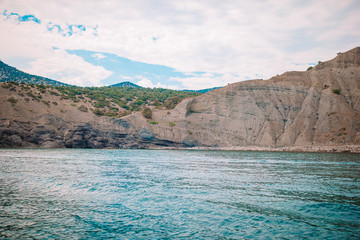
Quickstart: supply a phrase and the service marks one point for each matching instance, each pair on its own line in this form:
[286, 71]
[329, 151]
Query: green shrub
[12, 100]
[336, 91]
[309, 68]
[171, 102]
[46, 103]
[54, 93]
[171, 124]
[98, 112]
[30, 94]
[83, 108]
[73, 104]
[147, 113]
[111, 114]
[153, 122]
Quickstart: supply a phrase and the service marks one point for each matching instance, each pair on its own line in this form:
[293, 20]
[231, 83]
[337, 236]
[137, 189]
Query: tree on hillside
[147, 113]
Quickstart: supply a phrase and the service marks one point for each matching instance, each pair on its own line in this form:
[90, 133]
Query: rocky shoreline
[313, 149]
[304, 149]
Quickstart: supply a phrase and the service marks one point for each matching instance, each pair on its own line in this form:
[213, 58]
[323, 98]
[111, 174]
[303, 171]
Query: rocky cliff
[316, 107]
[319, 107]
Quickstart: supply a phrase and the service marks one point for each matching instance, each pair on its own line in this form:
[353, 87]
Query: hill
[312, 110]
[125, 84]
[319, 107]
[203, 90]
[8, 73]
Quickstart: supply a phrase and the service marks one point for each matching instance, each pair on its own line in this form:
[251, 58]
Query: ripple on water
[146, 194]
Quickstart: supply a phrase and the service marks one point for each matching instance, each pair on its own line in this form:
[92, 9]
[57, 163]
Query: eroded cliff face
[293, 109]
[318, 107]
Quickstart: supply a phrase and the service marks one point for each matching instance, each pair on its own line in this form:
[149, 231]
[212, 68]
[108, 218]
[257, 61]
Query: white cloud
[203, 81]
[68, 68]
[149, 84]
[246, 38]
[98, 56]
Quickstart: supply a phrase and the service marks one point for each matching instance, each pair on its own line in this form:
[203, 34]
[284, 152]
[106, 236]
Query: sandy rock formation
[316, 107]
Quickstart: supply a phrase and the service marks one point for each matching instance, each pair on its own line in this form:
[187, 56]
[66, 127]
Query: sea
[178, 194]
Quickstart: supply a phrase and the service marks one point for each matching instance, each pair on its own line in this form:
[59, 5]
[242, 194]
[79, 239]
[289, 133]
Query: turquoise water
[156, 194]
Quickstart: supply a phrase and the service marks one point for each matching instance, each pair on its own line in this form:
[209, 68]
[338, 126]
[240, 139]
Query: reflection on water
[137, 194]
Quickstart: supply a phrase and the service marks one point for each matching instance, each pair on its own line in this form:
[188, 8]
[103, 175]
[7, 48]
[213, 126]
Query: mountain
[133, 85]
[203, 90]
[125, 84]
[8, 73]
[319, 107]
[311, 110]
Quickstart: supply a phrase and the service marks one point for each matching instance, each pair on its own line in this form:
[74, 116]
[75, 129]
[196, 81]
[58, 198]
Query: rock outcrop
[319, 107]
[316, 107]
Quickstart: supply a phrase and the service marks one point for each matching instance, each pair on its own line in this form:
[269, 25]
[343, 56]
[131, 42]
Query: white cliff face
[293, 109]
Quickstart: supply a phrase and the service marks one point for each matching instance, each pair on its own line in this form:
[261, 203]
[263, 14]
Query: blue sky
[173, 44]
[124, 69]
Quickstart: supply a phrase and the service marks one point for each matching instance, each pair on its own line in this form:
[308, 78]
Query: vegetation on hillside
[8, 73]
[107, 101]
[115, 101]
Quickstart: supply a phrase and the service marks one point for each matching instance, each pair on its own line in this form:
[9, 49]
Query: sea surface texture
[158, 194]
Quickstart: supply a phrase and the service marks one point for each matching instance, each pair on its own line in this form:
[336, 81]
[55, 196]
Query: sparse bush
[125, 113]
[55, 103]
[98, 112]
[336, 91]
[153, 122]
[111, 114]
[54, 93]
[171, 124]
[147, 113]
[83, 108]
[12, 100]
[309, 68]
[73, 104]
[46, 103]
[171, 102]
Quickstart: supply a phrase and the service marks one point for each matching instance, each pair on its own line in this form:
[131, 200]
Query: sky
[181, 44]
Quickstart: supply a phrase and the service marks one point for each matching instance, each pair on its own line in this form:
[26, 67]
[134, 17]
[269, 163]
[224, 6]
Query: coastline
[301, 149]
[310, 149]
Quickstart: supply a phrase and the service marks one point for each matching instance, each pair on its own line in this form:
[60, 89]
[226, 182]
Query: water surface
[158, 194]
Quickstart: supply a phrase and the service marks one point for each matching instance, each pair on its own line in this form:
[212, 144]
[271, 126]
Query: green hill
[8, 73]
[125, 84]
[125, 97]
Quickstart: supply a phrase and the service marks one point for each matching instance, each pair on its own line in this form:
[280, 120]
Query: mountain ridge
[125, 84]
[8, 73]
